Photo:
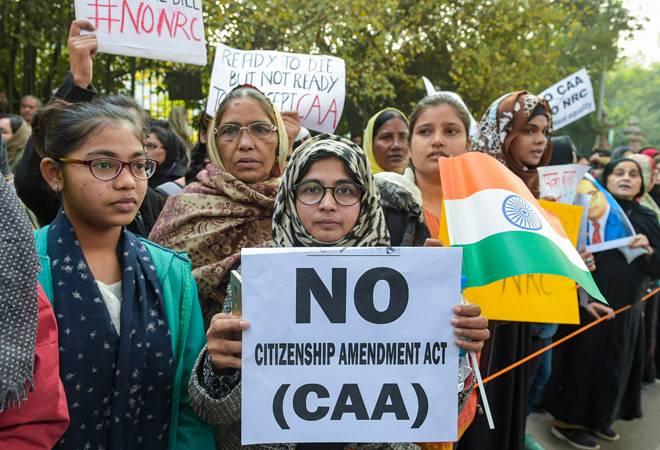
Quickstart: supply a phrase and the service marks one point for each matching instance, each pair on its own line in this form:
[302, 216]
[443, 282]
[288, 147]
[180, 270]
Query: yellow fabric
[368, 138]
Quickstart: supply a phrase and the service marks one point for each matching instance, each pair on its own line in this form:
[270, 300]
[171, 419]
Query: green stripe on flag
[489, 260]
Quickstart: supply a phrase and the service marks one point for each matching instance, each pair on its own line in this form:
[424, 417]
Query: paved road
[643, 434]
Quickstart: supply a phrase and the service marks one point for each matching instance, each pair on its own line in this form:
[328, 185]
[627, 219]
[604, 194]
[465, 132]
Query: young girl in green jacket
[127, 311]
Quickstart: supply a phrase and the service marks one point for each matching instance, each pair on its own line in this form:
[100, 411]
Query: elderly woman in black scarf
[597, 379]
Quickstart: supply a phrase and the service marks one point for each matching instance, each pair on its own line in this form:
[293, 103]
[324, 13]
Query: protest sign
[561, 182]
[349, 345]
[535, 297]
[430, 89]
[171, 30]
[313, 85]
[608, 225]
[570, 99]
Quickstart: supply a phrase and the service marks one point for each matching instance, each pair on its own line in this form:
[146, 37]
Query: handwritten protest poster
[313, 85]
[535, 297]
[570, 99]
[349, 345]
[170, 30]
[561, 182]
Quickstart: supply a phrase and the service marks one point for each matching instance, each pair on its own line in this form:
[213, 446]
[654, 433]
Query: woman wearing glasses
[231, 204]
[127, 312]
[328, 198]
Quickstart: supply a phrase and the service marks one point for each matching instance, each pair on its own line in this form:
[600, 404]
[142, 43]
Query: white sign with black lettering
[570, 99]
[349, 345]
[313, 85]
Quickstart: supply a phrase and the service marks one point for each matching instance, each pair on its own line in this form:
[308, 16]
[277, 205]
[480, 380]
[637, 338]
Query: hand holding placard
[82, 48]
[225, 341]
[351, 344]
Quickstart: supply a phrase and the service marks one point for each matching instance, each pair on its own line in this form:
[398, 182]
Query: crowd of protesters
[119, 235]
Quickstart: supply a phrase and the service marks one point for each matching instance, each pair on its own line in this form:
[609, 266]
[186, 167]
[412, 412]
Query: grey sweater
[225, 413]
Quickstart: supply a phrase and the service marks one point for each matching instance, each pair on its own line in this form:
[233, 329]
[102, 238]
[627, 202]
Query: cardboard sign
[570, 99]
[170, 30]
[349, 345]
[561, 181]
[313, 85]
[536, 297]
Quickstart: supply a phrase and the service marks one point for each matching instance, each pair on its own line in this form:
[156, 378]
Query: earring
[56, 188]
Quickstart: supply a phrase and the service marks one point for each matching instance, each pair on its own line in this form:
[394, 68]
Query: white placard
[170, 30]
[313, 85]
[561, 182]
[430, 89]
[349, 345]
[570, 99]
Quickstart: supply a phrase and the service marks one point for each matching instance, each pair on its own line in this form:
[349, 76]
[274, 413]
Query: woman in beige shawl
[231, 204]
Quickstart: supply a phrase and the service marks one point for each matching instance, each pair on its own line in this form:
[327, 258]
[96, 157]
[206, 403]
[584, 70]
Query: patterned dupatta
[118, 388]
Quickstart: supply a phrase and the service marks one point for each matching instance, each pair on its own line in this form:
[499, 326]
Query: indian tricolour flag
[501, 227]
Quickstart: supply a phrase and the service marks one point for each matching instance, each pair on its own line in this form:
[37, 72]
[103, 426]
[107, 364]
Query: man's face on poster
[598, 204]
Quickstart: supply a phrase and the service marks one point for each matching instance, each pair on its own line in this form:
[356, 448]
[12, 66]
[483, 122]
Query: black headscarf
[562, 150]
[609, 168]
[173, 167]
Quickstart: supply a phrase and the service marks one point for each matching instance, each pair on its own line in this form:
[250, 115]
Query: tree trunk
[29, 69]
[47, 86]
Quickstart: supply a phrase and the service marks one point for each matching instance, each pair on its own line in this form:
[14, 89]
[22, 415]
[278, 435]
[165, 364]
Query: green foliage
[479, 48]
[634, 91]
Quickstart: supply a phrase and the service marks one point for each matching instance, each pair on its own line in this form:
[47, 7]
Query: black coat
[597, 376]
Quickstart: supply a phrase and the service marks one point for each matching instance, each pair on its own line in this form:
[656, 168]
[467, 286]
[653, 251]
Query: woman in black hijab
[168, 149]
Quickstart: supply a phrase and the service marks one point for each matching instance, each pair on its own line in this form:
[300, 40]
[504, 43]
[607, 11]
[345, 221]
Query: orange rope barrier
[562, 340]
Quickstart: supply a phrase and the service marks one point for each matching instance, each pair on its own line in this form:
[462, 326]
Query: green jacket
[181, 305]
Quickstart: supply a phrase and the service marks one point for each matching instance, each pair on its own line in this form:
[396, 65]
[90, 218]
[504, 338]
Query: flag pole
[482, 388]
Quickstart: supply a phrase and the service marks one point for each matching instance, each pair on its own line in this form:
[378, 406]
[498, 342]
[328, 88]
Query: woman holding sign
[231, 204]
[327, 199]
[127, 310]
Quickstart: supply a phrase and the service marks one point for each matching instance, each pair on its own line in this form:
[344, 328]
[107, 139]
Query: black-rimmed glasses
[312, 193]
[106, 169]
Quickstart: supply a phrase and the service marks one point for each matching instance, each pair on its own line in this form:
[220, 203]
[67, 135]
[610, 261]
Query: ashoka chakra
[520, 213]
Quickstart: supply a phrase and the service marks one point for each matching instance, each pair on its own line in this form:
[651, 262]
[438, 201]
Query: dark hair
[61, 127]
[15, 121]
[609, 168]
[384, 117]
[563, 150]
[601, 152]
[439, 100]
[174, 146]
[198, 158]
